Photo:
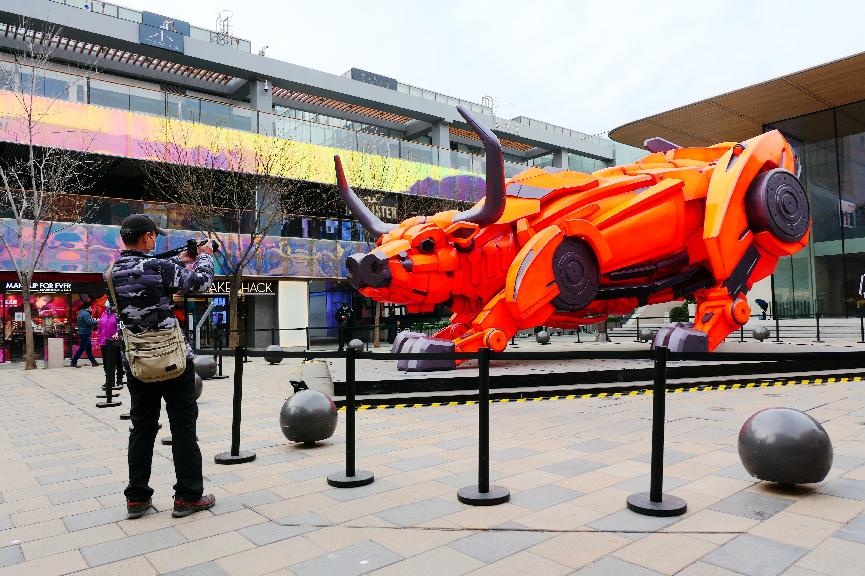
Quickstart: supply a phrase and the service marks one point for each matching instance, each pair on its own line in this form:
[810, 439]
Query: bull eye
[427, 245]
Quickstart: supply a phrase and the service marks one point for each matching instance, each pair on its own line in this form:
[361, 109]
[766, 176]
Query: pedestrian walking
[143, 287]
[86, 322]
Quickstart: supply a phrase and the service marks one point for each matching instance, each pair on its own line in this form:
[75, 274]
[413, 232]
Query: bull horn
[367, 219]
[494, 204]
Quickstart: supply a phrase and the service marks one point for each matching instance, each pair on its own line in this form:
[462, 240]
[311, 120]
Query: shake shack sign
[247, 287]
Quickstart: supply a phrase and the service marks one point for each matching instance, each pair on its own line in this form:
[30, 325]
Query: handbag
[153, 355]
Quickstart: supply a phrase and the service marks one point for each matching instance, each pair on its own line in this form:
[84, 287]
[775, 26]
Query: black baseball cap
[138, 224]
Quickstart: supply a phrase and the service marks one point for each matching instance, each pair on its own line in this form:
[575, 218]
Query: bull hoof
[416, 342]
[681, 337]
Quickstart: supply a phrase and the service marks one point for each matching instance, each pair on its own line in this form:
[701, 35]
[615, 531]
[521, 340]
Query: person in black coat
[343, 318]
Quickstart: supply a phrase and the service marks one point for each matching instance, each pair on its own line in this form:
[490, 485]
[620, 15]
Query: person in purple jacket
[109, 342]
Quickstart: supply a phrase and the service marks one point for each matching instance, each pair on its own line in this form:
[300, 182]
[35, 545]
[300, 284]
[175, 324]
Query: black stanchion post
[351, 478]
[637, 337]
[655, 502]
[777, 322]
[483, 494]
[307, 337]
[219, 375]
[273, 335]
[109, 397]
[817, 318]
[861, 327]
[742, 333]
[236, 455]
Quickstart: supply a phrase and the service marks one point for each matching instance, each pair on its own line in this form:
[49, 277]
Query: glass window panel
[182, 108]
[32, 84]
[240, 118]
[147, 101]
[109, 95]
[127, 14]
[214, 113]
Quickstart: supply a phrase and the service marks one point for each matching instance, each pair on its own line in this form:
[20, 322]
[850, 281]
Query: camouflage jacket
[145, 285]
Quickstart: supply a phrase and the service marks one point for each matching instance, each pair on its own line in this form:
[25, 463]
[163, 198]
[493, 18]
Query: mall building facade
[821, 112]
[117, 75]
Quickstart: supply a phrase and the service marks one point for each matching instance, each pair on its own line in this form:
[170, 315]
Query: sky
[588, 66]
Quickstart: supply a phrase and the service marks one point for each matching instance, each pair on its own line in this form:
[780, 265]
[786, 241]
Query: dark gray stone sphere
[273, 359]
[308, 416]
[205, 366]
[356, 344]
[786, 446]
[543, 337]
[199, 386]
[761, 333]
[646, 335]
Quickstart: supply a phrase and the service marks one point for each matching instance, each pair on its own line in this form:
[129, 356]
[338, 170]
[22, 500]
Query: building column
[441, 138]
[260, 95]
[560, 159]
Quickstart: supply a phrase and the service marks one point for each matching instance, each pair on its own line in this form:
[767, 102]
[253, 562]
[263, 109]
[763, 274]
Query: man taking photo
[143, 287]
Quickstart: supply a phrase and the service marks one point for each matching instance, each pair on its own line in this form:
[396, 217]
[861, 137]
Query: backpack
[153, 355]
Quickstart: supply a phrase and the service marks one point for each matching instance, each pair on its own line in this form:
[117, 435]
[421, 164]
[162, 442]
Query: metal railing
[123, 13]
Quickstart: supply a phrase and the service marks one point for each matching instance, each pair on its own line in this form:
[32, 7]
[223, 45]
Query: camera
[266, 86]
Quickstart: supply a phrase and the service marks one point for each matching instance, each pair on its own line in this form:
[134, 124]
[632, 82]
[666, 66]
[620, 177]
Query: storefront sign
[382, 205]
[247, 287]
[40, 287]
[374, 79]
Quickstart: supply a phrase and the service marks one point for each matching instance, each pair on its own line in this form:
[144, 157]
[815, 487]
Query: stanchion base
[668, 506]
[108, 404]
[360, 478]
[126, 416]
[243, 456]
[223, 377]
[471, 496]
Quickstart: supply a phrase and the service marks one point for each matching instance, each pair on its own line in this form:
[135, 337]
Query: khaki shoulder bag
[153, 355]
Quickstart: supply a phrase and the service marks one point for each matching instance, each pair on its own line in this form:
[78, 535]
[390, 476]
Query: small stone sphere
[205, 366]
[272, 358]
[356, 344]
[308, 416]
[199, 386]
[543, 337]
[761, 333]
[786, 446]
[646, 335]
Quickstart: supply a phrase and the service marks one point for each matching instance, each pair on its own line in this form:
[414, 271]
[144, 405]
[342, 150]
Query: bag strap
[111, 285]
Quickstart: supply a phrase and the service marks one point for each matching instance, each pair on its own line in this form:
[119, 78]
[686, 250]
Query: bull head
[414, 262]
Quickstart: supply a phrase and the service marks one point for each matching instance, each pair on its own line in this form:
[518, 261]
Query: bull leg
[491, 328]
[718, 314]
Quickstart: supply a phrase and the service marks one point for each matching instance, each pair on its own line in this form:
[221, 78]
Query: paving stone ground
[569, 466]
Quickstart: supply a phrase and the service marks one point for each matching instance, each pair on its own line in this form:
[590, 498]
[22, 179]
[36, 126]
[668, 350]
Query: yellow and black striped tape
[640, 392]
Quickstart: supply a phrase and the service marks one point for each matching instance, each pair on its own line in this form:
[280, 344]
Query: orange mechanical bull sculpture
[562, 248]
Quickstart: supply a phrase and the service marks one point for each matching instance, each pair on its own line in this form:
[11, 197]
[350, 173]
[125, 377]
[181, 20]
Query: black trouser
[85, 344]
[182, 410]
[111, 362]
[344, 334]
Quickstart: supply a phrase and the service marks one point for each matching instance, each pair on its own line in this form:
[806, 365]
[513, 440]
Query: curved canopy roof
[741, 114]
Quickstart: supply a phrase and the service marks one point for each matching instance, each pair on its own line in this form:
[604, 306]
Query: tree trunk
[29, 344]
[376, 334]
[233, 323]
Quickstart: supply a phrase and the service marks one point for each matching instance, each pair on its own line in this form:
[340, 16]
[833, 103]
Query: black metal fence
[653, 502]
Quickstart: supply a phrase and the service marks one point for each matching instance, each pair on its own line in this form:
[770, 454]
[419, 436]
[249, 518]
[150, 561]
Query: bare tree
[39, 183]
[231, 188]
